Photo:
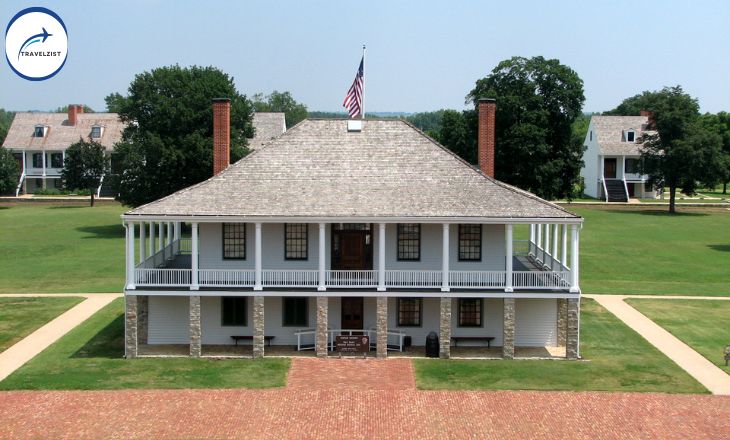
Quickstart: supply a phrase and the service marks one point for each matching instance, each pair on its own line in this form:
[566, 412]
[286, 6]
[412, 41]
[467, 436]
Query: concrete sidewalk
[25, 350]
[706, 373]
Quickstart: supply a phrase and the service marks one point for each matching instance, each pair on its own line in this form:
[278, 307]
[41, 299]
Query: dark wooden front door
[352, 313]
[609, 168]
[631, 188]
[353, 251]
[352, 247]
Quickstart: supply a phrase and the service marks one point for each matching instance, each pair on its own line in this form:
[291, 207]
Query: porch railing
[162, 277]
[226, 278]
[290, 278]
[351, 278]
[413, 278]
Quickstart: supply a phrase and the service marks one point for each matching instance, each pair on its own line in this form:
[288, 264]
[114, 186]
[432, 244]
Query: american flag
[353, 100]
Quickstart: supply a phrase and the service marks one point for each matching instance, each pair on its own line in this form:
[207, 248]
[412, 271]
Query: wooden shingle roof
[318, 169]
[610, 131]
[60, 133]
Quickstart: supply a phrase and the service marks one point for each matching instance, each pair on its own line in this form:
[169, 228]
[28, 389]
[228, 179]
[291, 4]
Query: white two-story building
[38, 141]
[352, 226]
[612, 157]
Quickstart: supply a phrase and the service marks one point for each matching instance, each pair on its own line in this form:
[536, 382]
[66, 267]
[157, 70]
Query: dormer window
[630, 136]
[39, 131]
[96, 131]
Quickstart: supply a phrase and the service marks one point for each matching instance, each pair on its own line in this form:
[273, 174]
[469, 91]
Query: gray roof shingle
[609, 134]
[319, 169]
[60, 133]
[268, 126]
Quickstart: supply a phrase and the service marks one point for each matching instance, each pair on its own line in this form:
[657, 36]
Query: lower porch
[254, 326]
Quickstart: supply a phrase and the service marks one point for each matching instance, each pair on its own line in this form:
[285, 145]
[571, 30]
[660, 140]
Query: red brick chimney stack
[73, 112]
[487, 108]
[221, 134]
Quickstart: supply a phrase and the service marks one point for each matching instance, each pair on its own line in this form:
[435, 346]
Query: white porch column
[445, 260]
[161, 238]
[322, 260]
[555, 245]
[194, 257]
[176, 231]
[547, 240]
[574, 258]
[539, 249]
[508, 257]
[43, 161]
[531, 242]
[130, 256]
[381, 257]
[257, 257]
[142, 242]
[169, 233]
[152, 238]
[564, 253]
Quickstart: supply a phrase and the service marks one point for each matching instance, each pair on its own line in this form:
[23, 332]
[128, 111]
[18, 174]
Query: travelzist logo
[36, 43]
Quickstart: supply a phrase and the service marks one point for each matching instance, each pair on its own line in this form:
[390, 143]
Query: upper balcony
[534, 264]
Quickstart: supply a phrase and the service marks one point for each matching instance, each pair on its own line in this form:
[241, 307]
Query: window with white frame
[630, 136]
[96, 131]
[39, 131]
[37, 160]
[56, 160]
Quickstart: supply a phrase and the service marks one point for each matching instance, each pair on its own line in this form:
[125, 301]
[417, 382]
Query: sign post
[352, 344]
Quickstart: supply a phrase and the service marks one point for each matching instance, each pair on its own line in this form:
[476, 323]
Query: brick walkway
[314, 374]
[291, 413]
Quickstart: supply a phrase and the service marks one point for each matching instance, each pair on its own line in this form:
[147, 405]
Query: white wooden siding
[536, 322]
[591, 163]
[168, 318]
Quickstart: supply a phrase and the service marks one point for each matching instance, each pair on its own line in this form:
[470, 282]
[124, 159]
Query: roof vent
[354, 125]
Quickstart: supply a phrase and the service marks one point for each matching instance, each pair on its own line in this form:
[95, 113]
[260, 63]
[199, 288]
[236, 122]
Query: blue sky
[422, 55]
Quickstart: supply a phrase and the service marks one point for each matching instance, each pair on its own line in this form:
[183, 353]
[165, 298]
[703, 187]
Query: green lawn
[648, 251]
[90, 357]
[61, 248]
[616, 359]
[703, 325]
[19, 317]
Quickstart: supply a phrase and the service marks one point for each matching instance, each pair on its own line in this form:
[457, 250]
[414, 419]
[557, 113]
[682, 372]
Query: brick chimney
[651, 122]
[221, 134]
[487, 108]
[73, 112]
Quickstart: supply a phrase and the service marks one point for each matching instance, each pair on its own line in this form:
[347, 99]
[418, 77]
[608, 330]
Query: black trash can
[432, 345]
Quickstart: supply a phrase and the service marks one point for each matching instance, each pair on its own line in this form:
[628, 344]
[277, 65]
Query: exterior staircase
[616, 191]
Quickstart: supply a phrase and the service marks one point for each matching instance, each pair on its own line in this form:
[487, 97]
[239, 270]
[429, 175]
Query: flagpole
[362, 116]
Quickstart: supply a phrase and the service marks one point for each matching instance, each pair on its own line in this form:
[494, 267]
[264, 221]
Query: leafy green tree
[429, 122]
[6, 118]
[281, 102]
[681, 153]
[634, 105]
[84, 166]
[537, 102]
[168, 142]
[9, 171]
[64, 109]
[458, 133]
[720, 124]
